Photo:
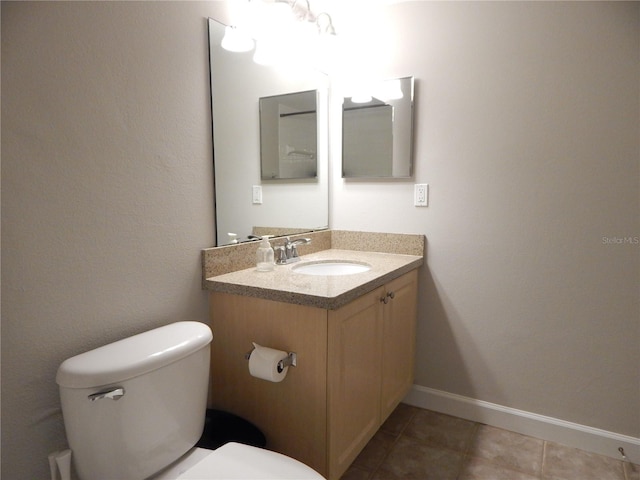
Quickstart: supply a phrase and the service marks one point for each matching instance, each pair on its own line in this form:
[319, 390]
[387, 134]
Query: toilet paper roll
[263, 363]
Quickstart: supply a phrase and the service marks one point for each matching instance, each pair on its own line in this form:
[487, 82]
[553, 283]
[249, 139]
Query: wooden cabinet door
[398, 340]
[353, 376]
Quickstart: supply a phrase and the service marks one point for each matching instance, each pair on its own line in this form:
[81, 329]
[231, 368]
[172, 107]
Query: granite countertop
[330, 292]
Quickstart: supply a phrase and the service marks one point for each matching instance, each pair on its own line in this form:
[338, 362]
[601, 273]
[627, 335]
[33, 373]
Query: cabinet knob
[389, 295]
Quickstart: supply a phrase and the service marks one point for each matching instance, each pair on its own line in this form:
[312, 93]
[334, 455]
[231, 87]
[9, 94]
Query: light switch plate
[421, 195]
[256, 195]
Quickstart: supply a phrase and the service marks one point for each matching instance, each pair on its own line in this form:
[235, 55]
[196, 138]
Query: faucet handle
[288, 248]
[295, 243]
[280, 255]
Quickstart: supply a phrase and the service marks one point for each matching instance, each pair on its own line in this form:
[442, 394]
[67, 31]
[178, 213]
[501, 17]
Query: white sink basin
[331, 267]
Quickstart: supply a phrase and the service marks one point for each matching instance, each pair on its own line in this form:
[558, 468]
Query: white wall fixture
[256, 194]
[421, 195]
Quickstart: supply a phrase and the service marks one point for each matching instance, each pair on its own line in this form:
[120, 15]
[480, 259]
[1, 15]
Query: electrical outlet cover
[421, 195]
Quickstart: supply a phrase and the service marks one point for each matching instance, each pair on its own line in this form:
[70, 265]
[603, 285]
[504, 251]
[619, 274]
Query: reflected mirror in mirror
[288, 136]
[287, 206]
[377, 132]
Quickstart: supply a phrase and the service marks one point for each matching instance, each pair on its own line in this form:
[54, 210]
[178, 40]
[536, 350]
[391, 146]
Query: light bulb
[235, 40]
[266, 54]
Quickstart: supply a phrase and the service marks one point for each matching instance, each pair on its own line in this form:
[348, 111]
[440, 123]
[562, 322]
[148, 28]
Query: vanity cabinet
[354, 372]
[398, 341]
[371, 349]
[354, 365]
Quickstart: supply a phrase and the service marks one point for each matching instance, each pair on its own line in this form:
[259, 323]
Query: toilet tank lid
[133, 356]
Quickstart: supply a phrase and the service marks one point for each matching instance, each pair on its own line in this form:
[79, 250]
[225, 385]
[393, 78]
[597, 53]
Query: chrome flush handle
[113, 394]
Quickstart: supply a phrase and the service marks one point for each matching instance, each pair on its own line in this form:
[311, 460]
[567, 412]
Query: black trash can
[223, 427]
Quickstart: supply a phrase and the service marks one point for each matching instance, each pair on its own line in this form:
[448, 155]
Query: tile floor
[424, 445]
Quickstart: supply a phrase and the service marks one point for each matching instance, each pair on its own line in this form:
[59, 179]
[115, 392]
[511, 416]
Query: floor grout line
[469, 462]
[544, 458]
[394, 443]
[466, 455]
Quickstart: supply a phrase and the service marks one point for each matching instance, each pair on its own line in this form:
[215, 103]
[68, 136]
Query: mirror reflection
[288, 136]
[247, 205]
[377, 131]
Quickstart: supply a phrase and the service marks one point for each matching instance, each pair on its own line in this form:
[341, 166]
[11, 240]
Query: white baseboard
[539, 426]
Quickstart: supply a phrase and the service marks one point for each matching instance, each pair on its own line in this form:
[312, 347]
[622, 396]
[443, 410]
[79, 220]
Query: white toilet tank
[134, 406]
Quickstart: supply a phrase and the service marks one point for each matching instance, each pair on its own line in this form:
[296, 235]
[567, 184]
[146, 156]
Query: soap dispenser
[264, 256]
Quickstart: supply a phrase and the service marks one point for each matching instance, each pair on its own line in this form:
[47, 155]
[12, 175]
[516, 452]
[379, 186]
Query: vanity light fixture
[277, 28]
[267, 52]
[325, 24]
[300, 12]
[236, 40]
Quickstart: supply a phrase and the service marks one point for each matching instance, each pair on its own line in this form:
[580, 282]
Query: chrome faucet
[288, 252]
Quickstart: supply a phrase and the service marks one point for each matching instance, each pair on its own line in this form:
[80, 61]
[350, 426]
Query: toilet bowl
[135, 409]
[237, 461]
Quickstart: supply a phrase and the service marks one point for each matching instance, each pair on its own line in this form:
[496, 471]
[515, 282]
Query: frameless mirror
[246, 205]
[377, 135]
[289, 136]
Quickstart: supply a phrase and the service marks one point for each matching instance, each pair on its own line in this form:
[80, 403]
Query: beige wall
[106, 192]
[527, 132]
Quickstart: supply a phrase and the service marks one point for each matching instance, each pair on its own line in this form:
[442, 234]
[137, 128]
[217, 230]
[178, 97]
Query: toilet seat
[235, 461]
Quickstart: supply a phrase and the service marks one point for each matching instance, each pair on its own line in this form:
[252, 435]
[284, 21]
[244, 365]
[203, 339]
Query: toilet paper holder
[291, 360]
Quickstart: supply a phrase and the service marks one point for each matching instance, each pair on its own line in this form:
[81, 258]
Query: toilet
[135, 409]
